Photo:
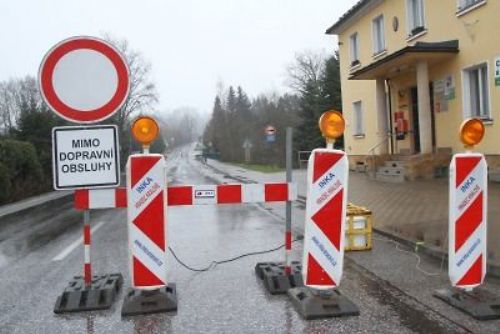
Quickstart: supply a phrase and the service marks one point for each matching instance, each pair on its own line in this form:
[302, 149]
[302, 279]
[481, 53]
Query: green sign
[497, 72]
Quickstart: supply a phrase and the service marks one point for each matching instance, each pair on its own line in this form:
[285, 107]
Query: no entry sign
[85, 157]
[84, 79]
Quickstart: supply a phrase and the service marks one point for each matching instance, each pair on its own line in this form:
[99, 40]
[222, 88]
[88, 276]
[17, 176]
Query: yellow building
[418, 67]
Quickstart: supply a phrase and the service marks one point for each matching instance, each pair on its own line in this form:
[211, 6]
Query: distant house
[411, 72]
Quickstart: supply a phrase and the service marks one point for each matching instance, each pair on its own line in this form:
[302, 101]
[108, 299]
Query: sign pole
[288, 214]
[87, 268]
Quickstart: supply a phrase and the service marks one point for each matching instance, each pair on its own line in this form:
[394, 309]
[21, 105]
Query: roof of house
[349, 14]
[444, 47]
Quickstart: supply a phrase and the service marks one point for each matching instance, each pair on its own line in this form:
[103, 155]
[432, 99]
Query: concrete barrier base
[478, 303]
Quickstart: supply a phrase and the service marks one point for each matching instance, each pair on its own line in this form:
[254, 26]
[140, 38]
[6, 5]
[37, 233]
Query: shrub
[5, 185]
[24, 171]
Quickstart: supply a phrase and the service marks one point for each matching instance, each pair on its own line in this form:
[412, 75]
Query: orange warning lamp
[145, 130]
[332, 125]
[471, 132]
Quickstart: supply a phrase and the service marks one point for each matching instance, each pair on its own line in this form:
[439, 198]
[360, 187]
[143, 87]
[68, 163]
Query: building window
[415, 11]
[464, 5]
[358, 119]
[354, 45]
[378, 35]
[476, 92]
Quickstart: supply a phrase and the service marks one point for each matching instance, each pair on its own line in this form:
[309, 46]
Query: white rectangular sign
[85, 157]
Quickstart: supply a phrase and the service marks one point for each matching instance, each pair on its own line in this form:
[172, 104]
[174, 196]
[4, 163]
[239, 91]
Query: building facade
[413, 70]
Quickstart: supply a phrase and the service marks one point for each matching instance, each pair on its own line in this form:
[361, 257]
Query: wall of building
[479, 42]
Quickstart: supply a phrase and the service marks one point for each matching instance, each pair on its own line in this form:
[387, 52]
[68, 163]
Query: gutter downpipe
[388, 83]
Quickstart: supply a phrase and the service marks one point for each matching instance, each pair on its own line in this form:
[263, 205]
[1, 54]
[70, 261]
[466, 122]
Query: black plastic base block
[321, 304]
[276, 280]
[139, 302]
[478, 303]
[99, 296]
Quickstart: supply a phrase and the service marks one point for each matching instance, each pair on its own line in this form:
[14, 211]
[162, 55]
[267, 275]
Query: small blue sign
[270, 138]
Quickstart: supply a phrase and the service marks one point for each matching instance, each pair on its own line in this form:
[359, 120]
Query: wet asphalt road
[227, 299]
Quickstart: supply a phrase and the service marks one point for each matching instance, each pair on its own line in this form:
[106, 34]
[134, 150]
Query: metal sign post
[85, 80]
[279, 277]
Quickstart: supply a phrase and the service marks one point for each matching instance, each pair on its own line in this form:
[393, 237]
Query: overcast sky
[191, 44]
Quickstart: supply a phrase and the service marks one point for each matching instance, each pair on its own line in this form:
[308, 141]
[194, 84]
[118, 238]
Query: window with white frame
[465, 4]
[354, 45]
[476, 92]
[378, 35]
[358, 119]
[415, 16]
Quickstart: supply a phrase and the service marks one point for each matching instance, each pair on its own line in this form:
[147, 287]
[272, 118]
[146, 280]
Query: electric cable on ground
[419, 259]
[214, 264]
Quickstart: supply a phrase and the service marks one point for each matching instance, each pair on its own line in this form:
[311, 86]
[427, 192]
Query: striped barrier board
[326, 206]
[147, 220]
[467, 220]
[86, 199]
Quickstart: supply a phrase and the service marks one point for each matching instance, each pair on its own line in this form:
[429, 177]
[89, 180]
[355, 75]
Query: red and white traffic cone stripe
[87, 269]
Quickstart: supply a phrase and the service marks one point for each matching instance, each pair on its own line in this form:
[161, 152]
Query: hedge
[21, 174]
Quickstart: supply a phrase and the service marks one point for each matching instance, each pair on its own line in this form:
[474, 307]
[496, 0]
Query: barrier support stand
[318, 304]
[478, 303]
[324, 228]
[467, 229]
[87, 292]
[278, 277]
[147, 234]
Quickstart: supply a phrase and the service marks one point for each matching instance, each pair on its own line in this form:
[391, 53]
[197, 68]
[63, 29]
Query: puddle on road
[412, 314]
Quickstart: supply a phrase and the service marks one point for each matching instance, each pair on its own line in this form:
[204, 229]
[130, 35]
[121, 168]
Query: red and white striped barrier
[467, 220]
[86, 199]
[323, 258]
[147, 220]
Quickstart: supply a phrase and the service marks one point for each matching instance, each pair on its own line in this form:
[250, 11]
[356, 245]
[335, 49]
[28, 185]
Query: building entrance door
[414, 121]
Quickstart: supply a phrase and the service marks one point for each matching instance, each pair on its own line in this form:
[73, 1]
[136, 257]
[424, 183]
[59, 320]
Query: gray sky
[191, 44]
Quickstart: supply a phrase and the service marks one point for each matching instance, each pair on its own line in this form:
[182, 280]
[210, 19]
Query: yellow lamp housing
[145, 130]
[332, 125]
[471, 132]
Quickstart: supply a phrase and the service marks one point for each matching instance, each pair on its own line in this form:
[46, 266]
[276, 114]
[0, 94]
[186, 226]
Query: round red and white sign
[270, 130]
[84, 79]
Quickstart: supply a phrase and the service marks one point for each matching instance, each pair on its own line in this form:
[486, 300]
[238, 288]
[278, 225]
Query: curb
[15, 214]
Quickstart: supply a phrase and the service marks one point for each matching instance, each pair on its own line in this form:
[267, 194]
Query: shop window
[476, 92]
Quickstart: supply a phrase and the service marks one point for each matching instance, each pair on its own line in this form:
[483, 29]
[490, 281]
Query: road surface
[35, 268]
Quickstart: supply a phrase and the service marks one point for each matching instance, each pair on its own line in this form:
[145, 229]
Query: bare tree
[17, 96]
[305, 71]
[142, 96]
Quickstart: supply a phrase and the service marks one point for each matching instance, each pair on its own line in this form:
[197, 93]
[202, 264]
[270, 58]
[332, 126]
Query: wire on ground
[214, 264]
[419, 259]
